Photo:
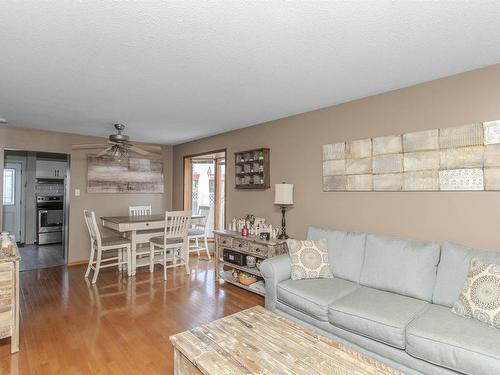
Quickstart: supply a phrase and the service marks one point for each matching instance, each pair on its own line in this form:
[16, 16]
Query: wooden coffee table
[257, 341]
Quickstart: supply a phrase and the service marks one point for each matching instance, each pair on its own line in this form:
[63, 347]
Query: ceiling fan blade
[89, 146]
[138, 150]
[103, 152]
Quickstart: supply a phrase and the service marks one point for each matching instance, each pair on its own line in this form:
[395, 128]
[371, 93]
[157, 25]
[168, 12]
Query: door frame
[187, 183]
[217, 190]
[67, 193]
[21, 190]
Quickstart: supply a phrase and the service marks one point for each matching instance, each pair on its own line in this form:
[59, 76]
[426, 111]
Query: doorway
[12, 199]
[35, 206]
[205, 187]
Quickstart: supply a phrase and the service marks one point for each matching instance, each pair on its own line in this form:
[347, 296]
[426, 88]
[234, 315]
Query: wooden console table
[9, 297]
[251, 245]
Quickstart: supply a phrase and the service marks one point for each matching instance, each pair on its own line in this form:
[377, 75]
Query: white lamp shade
[283, 194]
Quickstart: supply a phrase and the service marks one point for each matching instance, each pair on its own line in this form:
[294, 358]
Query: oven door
[50, 220]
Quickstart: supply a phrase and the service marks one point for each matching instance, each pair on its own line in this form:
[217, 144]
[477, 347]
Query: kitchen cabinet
[51, 169]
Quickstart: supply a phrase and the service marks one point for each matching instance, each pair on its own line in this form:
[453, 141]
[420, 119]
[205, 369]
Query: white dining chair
[100, 245]
[139, 210]
[173, 244]
[199, 231]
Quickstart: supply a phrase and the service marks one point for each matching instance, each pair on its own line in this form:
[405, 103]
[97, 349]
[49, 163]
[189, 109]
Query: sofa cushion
[376, 314]
[480, 297]
[312, 296]
[402, 266]
[345, 249]
[453, 268]
[309, 259]
[445, 339]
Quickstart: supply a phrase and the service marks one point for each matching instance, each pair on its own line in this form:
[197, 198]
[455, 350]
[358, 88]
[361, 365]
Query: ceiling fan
[118, 146]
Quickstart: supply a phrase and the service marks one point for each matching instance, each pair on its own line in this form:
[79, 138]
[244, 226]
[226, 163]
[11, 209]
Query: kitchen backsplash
[49, 189]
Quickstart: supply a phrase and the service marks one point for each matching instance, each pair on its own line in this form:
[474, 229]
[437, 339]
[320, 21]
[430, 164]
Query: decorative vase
[251, 260]
[4, 240]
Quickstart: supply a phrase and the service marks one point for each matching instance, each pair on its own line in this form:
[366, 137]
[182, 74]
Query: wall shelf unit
[252, 169]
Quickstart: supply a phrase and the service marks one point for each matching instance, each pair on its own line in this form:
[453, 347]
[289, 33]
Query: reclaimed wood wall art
[133, 175]
[459, 158]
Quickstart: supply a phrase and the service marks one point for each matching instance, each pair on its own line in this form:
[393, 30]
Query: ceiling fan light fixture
[119, 136]
[118, 146]
[118, 153]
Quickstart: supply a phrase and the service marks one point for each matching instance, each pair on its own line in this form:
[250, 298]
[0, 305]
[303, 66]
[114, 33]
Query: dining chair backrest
[139, 210]
[205, 212]
[92, 227]
[177, 224]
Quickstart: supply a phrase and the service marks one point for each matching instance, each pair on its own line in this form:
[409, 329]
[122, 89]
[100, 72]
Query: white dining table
[134, 225]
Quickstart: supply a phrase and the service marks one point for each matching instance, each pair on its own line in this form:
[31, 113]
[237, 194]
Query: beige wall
[296, 157]
[103, 204]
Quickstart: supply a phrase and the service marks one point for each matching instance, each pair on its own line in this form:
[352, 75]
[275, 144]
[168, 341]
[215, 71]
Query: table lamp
[283, 197]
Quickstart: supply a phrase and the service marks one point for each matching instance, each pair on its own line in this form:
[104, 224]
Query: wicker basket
[246, 279]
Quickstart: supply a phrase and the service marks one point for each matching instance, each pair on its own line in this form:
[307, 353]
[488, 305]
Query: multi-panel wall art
[460, 158]
[131, 175]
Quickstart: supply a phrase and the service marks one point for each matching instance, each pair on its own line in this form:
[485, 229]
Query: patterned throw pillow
[309, 259]
[480, 298]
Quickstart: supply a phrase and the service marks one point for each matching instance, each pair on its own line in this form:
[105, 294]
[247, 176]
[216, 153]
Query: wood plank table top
[258, 341]
[140, 218]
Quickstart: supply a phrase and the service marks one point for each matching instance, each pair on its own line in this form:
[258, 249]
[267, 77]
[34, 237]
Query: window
[9, 185]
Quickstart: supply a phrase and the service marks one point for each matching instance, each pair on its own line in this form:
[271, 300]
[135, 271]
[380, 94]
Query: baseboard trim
[81, 262]
[77, 263]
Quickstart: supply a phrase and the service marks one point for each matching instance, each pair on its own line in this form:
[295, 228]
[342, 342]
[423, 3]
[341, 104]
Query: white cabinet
[51, 169]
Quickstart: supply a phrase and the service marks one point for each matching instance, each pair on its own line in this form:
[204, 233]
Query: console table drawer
[240, 244]
[5, 294]
[5, 272]
[259, 250]
[225, 241]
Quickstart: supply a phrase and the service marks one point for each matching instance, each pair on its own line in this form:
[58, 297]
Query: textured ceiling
[176, 71]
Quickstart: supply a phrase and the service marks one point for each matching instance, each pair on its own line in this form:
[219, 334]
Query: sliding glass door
[204, 185]
[203, 190]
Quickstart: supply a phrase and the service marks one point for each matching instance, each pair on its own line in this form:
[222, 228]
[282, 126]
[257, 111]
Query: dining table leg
[185, 256]
[133, 250]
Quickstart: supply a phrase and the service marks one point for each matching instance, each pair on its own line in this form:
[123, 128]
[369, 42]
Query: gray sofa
[390, 298]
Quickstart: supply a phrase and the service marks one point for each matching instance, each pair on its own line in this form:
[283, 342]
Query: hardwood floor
[34, 256]
[120, 325]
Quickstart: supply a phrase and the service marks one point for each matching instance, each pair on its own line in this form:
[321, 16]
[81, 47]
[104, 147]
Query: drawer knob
[147, 224]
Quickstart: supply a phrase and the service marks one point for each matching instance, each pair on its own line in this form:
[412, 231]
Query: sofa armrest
[275, 270]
